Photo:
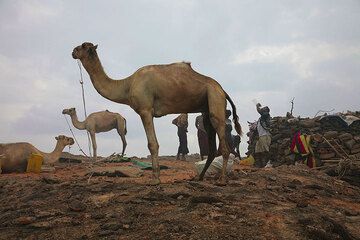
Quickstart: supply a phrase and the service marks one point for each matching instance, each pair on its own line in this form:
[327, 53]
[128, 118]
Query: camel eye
[83, 45]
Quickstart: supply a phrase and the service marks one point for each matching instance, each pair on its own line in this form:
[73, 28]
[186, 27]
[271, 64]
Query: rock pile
[339, 137]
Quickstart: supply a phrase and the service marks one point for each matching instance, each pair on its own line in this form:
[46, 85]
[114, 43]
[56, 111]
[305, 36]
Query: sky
[259, 51]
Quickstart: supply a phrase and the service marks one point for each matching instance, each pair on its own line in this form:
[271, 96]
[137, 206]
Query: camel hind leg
[121, 129]
[94, 145]
[217, 107]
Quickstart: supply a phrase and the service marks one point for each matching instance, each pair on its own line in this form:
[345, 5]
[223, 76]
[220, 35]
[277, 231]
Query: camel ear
[92, 50]
[83, 45]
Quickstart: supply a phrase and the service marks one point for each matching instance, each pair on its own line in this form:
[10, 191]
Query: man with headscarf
[262, 146]
[182, 124]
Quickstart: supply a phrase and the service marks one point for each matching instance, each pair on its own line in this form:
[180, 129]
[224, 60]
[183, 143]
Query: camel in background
[158, 90]
[14, 156]
[98, 122]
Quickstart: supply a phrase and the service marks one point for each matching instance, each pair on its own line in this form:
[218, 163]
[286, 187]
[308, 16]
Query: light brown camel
[158, 90]
[98, 122]
[14, 156]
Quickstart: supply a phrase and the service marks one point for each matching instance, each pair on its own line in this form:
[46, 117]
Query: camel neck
[54, 155]
[77, 124]
[114, 90]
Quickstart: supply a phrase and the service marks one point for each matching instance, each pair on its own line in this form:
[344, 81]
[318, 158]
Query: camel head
[64, 140]
[70, 111]
[84, 51]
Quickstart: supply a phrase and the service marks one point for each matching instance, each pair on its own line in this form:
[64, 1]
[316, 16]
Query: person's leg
[266, 158]
[258, 156]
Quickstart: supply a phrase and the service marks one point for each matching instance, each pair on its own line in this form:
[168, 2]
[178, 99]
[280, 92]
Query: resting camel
[98, 122]
[14, 156]
[158, 90]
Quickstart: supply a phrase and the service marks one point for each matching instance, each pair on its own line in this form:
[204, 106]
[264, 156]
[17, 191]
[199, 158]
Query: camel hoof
[155, 182]
[197, 178]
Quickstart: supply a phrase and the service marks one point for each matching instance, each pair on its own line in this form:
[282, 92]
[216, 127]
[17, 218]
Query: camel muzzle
[73, 55]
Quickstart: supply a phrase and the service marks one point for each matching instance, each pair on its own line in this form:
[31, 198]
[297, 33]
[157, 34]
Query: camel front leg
[147, 120]
[93, 141]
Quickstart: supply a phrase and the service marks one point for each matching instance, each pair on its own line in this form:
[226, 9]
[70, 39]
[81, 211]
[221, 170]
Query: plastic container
[34, 163]
[249, 161]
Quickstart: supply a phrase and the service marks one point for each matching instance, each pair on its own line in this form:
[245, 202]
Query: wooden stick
[332, 147]
[338, 160]
[342, 150]
[327, 166]
[331, 161]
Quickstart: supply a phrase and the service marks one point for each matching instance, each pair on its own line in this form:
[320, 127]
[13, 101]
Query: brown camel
[158, 90]
[14, 156]
[98, 122]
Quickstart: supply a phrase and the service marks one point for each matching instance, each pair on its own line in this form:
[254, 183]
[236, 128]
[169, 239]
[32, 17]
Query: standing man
[228, 129]
[232, 140]
[202, 136]
[262, 146]
[182, 124]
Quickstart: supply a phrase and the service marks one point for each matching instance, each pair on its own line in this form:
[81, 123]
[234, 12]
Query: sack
[216, 165]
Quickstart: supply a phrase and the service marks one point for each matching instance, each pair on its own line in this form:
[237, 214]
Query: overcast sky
[265, 51]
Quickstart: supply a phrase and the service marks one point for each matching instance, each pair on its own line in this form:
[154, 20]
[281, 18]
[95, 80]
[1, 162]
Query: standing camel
[14, 156]
[158, 90]
[98, 122]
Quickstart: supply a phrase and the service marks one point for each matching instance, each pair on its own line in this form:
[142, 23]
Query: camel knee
[224, 148]
[153, 147]
[214, 120]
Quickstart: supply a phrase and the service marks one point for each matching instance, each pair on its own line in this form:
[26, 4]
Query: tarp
[146, 165]
[344, 120]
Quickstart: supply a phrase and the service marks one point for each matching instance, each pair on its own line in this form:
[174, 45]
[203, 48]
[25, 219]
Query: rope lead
[83, 98]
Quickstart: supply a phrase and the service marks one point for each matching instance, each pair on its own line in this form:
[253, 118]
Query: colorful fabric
[301, 147]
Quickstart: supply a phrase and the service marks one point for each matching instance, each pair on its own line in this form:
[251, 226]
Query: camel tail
[235, 116]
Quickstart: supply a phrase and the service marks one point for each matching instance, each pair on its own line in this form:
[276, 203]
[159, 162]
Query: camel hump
[182, 64]
[187, 63]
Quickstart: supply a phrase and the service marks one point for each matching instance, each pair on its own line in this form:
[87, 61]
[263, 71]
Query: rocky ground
[287, 202]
